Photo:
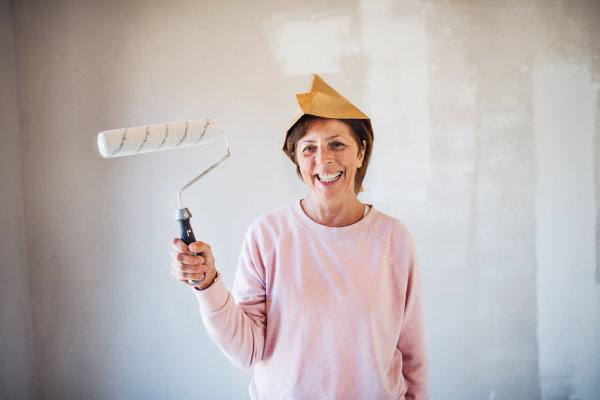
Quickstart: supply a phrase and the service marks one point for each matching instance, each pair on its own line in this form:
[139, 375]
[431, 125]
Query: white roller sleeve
[143, 139]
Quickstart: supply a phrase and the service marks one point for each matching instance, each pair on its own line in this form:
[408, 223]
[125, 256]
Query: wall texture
[487, 147]
[17, 377]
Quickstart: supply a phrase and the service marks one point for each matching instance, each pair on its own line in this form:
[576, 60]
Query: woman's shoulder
[390, 228]
[272, 225]
[398, 240]
[278, 219]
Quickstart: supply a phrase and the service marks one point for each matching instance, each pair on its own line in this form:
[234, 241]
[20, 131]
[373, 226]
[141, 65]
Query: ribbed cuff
[214, 297]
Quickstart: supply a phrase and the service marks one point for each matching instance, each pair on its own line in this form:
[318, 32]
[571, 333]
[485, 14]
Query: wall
[17, 377]
[485, 117]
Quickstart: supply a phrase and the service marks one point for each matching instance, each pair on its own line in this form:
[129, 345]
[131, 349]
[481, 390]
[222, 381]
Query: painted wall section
[17, 377]
[311, 39]
[565, 208]
[397, 95]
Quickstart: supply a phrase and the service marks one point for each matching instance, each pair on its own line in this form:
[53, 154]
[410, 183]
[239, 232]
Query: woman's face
[328, 156]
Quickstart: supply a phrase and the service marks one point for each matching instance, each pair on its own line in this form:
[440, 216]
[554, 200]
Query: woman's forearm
[240, 333]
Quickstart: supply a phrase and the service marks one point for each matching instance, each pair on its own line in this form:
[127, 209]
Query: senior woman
[327, 297]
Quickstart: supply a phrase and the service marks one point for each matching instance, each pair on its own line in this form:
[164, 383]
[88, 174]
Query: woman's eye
[308, 149]
[337, 144]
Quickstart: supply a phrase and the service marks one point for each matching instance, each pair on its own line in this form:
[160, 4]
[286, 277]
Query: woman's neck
[335, 213]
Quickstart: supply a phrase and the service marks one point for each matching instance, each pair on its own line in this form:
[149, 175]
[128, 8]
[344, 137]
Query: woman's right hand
[185, 265]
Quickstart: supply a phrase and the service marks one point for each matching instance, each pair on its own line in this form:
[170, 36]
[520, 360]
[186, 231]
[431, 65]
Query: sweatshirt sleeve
[411, 342]
[238, 329]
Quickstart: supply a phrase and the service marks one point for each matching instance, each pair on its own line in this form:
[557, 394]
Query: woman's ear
[361, 153]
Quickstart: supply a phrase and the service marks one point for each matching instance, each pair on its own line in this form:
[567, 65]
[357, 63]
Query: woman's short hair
[361, 130]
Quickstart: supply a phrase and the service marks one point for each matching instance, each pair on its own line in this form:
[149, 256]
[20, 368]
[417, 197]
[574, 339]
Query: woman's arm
[411, 343]
[238, 329]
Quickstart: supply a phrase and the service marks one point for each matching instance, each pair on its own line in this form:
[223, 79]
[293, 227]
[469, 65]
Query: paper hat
[323, 101]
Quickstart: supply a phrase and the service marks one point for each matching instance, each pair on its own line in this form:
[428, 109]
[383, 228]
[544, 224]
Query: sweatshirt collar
[362, 226]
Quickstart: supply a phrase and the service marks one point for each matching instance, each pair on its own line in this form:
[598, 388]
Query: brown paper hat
[322, 101]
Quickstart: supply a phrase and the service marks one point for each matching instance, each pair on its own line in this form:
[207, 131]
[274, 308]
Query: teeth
[329, 177]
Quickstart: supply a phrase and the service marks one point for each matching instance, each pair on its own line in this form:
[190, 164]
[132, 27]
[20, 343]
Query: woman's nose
[323, 156]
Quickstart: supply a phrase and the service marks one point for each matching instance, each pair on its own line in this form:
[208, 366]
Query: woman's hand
[185, 265]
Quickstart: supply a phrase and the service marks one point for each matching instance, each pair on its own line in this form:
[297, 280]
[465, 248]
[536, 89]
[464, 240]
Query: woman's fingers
[194, 248]
[185, 277]
[204, 248]
[188, 269]
[186, 259]
[200, 247]
[190, 264]
[186, 266]
[181, 247]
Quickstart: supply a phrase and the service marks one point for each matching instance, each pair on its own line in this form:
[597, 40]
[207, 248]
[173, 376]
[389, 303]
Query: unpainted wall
[487, 148]
[17, 376]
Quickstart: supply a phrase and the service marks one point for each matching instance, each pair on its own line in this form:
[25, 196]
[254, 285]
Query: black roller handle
[186, 235]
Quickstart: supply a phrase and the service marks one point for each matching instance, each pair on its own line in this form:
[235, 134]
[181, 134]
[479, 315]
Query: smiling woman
[331, 157]
[359, 129]
[327, 299]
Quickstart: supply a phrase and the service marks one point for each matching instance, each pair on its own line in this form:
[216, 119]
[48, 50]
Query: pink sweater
[324, 313]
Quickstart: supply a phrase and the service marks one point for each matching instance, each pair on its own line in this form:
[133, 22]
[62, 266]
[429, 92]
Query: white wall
[485, 117]
[17, 377]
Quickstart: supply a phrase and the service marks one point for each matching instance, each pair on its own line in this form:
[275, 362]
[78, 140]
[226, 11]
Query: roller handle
[187, 236]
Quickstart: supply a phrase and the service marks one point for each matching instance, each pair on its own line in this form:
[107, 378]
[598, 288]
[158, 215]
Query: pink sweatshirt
[324, 313]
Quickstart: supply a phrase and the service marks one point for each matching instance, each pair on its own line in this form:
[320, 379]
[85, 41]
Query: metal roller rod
[205, 172]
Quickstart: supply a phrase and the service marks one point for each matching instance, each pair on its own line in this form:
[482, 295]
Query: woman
[327, 297]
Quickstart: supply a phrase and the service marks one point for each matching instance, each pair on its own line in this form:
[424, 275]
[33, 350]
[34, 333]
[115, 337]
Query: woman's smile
[329, 179]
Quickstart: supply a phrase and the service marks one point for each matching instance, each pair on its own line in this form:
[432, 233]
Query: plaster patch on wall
[397, 92]
[564, 104]
[305, 44]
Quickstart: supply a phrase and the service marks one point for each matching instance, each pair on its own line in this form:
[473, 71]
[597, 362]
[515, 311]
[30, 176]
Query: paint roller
[144, 139]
